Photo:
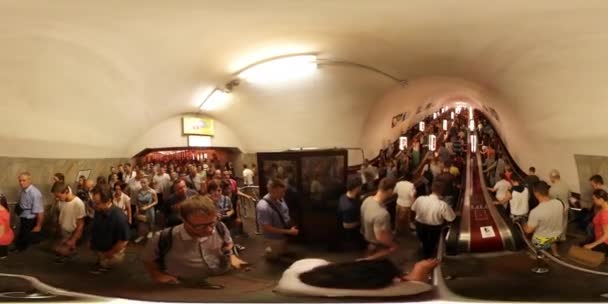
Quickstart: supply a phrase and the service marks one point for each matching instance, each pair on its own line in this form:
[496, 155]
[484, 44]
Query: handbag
[141, 218]
[586, 257]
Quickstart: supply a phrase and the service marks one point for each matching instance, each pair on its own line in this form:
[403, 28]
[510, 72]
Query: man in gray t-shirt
[545, 221]
[376, 221]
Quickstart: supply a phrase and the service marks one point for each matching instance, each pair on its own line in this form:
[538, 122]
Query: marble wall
[42, 171]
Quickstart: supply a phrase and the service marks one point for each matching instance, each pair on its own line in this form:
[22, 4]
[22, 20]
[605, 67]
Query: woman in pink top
[600, 222]
[6, 232]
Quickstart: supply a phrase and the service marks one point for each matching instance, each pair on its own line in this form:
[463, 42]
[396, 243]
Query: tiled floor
[129, 280]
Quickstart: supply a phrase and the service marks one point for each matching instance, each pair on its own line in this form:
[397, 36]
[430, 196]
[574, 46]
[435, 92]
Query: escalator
[481, 227]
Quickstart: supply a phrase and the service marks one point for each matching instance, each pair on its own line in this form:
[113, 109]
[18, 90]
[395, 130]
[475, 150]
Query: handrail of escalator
[507, 236]
[554, 258]
[40, 286]
[438, 279]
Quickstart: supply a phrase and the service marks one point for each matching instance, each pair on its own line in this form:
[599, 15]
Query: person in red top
[6, 232]
[600, 222]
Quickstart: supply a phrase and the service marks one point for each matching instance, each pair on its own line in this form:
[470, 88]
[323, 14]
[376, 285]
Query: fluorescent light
[216, 99]
[445, 125]
[280, 69]
[472, 125]
[470, 112]
[435, 115]
[452, 115]
[421, 126]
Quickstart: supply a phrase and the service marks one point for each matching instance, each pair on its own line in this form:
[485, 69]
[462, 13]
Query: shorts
[543, 243]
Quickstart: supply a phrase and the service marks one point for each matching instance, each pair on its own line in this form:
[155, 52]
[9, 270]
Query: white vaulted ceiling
[86, 78]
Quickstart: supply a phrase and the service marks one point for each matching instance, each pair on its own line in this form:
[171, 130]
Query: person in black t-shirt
[349, 215]
[109, 231]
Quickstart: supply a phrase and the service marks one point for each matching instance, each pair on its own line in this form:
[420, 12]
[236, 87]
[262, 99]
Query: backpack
[165, 241]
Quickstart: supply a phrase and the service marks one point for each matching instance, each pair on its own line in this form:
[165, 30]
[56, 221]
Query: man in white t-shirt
[376, 221]
[502, 188]
[162, 181]
[247, 176]
[406, 192]
[71, 221]
[545, 221]
[431, 214]
[519, 204]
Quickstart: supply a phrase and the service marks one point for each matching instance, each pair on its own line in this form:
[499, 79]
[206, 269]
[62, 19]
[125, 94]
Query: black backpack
[165, 241]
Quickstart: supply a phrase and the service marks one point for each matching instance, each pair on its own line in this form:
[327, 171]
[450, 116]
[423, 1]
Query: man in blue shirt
[273, 217]
[32, 213]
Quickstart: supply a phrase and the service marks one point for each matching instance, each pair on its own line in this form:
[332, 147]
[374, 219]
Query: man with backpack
[191, 252]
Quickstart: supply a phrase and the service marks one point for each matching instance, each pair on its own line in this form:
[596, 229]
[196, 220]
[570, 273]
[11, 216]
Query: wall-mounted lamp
[435, 115]
[452, 115]
[421, 126]
[445, 125]
[402, 143]
[432, 142]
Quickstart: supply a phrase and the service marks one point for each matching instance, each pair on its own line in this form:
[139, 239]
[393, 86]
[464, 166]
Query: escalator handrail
[503, 229]
[37, 284]
[554, 258]
[438, 279]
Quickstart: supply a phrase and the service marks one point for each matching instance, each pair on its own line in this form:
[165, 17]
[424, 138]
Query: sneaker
[240, 247]
[99, 270]
[139, 239]
[207, 285]
[150, 235]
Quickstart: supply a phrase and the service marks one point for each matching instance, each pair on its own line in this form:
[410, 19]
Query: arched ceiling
[99, 73]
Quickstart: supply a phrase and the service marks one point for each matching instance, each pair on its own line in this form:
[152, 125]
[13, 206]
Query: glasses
[201, 226]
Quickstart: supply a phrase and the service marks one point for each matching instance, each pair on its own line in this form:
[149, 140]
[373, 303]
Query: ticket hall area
[302, 152]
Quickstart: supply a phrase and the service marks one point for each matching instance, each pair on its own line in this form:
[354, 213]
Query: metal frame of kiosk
[316, 179]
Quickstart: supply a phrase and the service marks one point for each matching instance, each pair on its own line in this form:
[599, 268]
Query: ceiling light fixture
[279, 69]
[216, 99]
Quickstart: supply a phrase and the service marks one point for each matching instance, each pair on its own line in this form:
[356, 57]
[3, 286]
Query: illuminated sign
[197, 126]
[432, 142]
[402, 143]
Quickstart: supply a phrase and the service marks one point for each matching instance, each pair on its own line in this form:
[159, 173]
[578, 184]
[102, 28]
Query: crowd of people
[190, 213]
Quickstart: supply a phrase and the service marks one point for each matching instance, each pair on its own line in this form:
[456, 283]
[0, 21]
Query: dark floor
[129, 280]
[508, 277]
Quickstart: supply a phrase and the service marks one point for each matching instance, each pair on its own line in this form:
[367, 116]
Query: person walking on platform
[560, 191]
[30, 209]
[376, 221]
[431, 214]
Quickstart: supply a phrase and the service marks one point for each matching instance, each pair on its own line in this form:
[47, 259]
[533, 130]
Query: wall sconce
[402, 143]
[432, 142]
[421, 126]
[445, 125]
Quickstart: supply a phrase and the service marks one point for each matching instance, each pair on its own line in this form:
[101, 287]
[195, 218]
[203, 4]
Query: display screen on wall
[197, 126]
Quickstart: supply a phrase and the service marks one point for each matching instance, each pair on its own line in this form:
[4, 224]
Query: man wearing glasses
[199, 248]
